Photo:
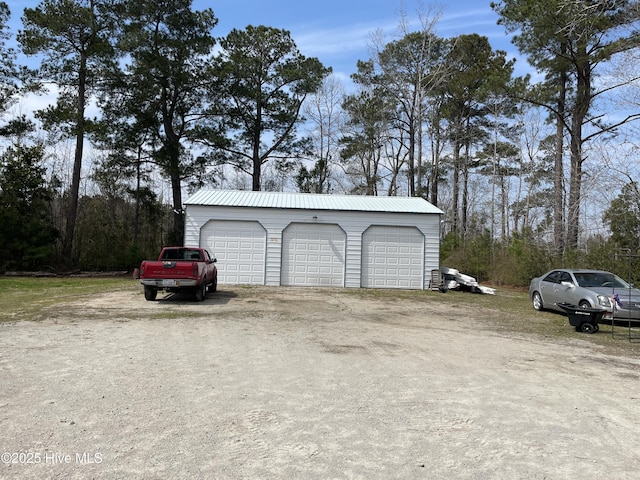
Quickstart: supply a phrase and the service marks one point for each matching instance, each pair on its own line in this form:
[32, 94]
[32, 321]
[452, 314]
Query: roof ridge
[311, 201]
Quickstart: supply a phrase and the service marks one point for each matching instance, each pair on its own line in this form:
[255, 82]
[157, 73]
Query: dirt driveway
[284, 383]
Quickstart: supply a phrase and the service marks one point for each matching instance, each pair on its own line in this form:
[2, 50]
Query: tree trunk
[411, 165]
[579, 113]
[558, 176]
[257, 161]
[172, 147]
[178, 214]
[456, 187]
[136, 221]
[465, 191]
[435, 165]
[72, 209]
[504, 208]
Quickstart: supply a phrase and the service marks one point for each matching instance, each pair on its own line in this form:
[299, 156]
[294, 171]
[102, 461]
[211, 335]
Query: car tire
[214, 285]
[201, 291]
[536, 300]
[150, 293]
[584, 304]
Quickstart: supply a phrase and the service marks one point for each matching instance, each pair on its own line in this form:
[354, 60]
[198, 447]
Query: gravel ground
[286, 383]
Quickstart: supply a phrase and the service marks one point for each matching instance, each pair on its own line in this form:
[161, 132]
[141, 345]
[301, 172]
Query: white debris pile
[454, 280]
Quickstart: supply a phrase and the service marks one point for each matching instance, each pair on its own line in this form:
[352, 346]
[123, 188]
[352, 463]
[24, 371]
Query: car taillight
[195, 269]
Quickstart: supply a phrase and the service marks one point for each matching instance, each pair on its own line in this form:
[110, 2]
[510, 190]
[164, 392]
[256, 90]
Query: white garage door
[313, 255]
[392, 257]
[240, 250]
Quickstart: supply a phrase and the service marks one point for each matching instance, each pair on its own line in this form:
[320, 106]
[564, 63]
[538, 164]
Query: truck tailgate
[169, 269]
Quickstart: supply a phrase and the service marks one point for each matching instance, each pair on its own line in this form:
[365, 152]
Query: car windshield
[600, 279]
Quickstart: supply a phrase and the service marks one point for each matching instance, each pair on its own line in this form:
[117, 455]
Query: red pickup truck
[180, 269]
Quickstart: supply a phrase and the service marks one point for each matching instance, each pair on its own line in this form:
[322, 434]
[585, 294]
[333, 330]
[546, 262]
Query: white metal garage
[294, 239]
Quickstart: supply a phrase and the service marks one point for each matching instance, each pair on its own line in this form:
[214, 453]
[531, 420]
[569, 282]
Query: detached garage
[297, 239]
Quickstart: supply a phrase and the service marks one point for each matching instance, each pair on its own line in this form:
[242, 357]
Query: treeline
[113, 232]
[154, 105]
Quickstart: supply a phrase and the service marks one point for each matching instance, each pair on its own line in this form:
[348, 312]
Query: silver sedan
[586, 288]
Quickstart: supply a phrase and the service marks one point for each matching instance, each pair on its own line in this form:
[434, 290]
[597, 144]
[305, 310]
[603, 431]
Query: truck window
[170, 254]
[194, 255]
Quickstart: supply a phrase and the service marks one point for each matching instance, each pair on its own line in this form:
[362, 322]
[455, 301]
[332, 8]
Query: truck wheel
[201, 291]
[150, 293]
[214, 285]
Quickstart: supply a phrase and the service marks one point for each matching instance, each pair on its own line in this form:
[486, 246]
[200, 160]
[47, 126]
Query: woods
[532, 170]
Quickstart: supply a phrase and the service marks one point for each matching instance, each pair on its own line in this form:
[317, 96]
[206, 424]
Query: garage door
[392, 257]
[240, 250]
[313, 255]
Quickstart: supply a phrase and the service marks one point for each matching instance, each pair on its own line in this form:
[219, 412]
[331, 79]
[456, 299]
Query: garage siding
[275, 222]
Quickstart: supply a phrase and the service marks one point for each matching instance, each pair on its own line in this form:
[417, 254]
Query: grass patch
[509, 311]
[24, 298]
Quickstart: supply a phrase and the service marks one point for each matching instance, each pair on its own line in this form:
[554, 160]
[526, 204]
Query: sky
[338, 32]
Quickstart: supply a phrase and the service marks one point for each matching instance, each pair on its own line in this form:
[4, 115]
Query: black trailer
[585, 319]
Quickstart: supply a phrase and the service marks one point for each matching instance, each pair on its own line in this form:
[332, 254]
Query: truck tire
[213, 286]
[150, 293]
[201, 291]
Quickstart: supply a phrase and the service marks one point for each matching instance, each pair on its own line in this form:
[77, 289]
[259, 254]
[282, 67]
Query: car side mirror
[214, 260]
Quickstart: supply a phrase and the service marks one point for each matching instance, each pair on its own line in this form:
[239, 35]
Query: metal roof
[310, 201]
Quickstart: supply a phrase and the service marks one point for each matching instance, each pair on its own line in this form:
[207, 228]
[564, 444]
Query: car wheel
[588, 328]
[584, 304]
[150, 293]
[536, 299]
[201, 291]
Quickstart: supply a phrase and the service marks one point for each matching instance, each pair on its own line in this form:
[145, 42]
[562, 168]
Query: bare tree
[323, 111]
[410, 71]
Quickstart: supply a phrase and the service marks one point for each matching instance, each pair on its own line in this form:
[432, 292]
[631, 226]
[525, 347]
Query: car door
[547, 287]
[564, 289]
